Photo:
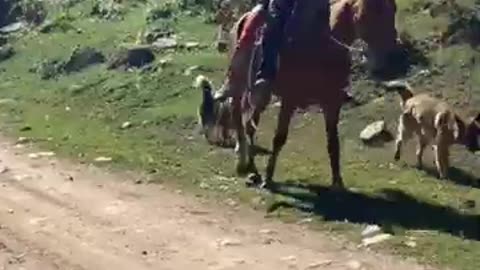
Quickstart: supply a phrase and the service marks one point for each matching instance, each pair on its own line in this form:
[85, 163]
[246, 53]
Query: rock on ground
[48, 69]
[3, 40]
[6, 51]
[11, 28]
[375, 133]
[154, 34]
[165, 43]
[136, 57]
[82, 58]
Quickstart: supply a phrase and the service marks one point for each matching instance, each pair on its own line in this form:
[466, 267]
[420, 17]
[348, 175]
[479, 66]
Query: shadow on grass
[260, 150]
[456, 176]
[389, 207]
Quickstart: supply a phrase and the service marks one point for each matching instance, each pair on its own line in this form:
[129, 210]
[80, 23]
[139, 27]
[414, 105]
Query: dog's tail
[402, 87]
[206, 110]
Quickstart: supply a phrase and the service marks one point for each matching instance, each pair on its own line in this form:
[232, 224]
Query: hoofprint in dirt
[55, 215]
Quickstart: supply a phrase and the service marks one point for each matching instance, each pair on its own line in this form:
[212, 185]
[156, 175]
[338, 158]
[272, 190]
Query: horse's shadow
[260, 150]
[456, 176]
[389, 208]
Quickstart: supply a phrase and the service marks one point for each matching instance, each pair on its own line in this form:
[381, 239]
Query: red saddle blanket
[254, 20]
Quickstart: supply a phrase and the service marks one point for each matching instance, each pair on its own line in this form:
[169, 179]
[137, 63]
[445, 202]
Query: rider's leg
[279, 12]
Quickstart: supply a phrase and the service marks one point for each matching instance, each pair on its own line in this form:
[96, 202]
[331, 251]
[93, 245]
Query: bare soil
[58, 215]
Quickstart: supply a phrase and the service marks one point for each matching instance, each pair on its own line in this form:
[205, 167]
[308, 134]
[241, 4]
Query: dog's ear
[477, 119]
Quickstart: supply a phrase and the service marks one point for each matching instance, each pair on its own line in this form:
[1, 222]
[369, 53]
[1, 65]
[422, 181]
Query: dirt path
[104, 221]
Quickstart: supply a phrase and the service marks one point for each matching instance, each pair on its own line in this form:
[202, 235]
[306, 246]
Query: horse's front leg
[279, 140]
[241, 147]
[331, 116]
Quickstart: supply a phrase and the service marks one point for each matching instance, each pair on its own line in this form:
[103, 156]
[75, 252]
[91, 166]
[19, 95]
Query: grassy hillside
[80, 115]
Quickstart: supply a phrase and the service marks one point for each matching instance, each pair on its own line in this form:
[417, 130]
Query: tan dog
[433, 121]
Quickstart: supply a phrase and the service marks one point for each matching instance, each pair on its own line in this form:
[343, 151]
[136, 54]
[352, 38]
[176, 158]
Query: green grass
[162, 105]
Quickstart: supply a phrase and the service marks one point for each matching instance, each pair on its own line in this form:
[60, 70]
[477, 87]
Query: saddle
[309, 21]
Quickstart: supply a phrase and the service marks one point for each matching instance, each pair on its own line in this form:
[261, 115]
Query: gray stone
[375, 133]
[82, 58]
[6, 52]
[14, 27]
[165, 43]
[136, 57]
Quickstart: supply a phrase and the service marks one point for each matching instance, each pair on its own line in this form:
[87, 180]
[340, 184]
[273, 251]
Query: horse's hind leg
[279, 140]
[241, 148]
[331, 116]
[251, 130]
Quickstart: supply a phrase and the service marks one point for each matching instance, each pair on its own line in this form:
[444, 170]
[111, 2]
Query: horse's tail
[403, 88]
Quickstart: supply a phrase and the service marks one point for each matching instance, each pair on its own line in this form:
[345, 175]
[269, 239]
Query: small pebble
[229, 242]
[319, 264]
[22, 140]
[354, 265]
[411, 244]
[126, 125]
[103, 159]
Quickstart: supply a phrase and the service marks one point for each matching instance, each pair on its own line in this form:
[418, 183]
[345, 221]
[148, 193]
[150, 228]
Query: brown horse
[318, 61]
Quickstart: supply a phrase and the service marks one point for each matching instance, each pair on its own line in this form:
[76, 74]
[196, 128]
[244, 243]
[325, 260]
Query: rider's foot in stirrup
[261, 92]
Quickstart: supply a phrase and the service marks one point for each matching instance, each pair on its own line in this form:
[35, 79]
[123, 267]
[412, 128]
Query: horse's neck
[308, 23]
[342, 21]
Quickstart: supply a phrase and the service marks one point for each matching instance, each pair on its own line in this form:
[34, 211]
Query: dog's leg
[441, 160]
[403, 134]
[422, 143]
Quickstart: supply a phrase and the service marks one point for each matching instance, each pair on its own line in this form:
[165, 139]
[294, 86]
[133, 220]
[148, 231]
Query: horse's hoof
[337, 186]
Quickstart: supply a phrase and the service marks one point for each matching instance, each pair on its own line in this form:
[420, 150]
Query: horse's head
[374, 22]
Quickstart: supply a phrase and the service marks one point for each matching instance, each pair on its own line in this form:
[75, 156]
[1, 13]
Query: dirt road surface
[56, 215]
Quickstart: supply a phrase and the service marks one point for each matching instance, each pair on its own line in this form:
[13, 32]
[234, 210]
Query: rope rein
[345, 46]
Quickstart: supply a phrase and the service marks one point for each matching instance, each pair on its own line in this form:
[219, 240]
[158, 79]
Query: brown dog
[433, 121]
